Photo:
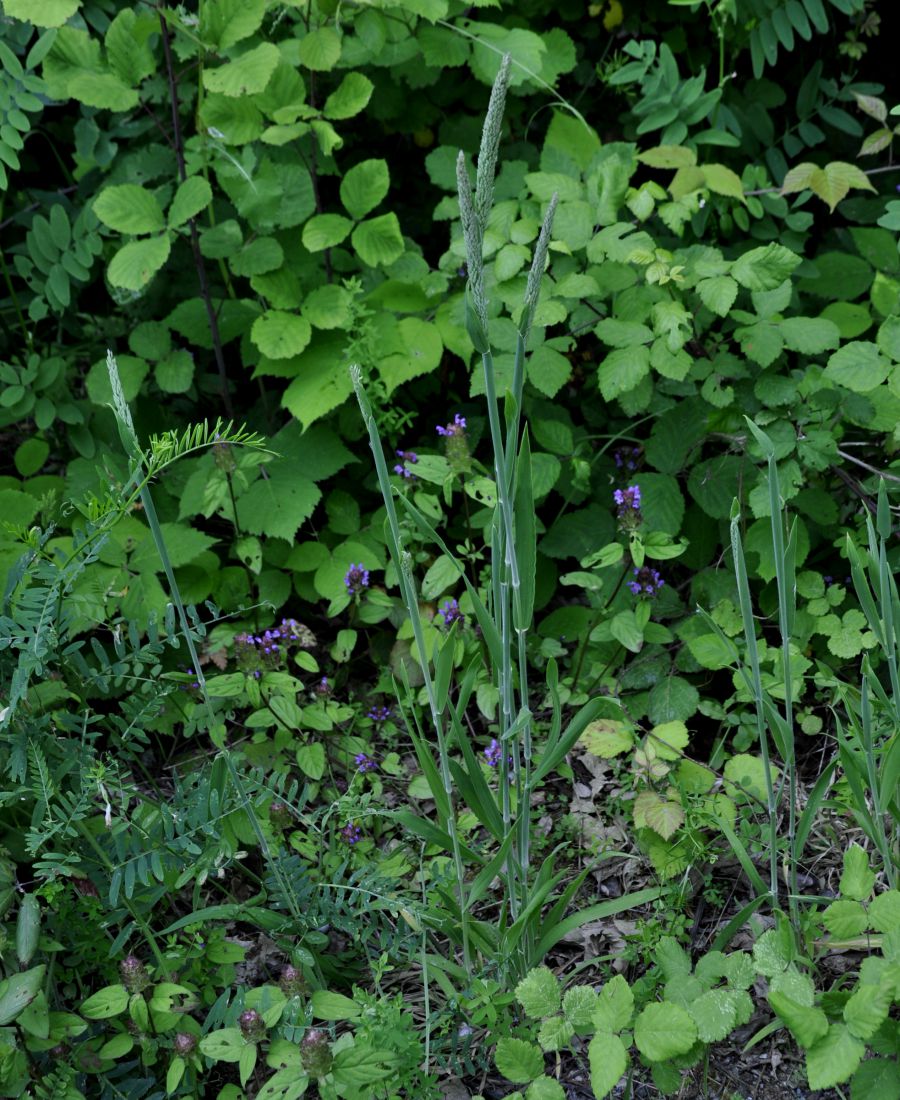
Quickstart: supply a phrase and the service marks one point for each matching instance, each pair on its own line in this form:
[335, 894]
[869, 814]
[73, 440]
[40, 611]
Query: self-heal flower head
[493, 753]
[456, 427]
[356, 579]
[379, 714]
[647, 582]
[351, 833]
[628, 500]
[364, 763]
[450, 613]
[627, 458]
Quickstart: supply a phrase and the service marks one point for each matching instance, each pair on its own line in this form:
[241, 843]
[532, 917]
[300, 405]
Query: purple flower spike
[456, 427]
[351, 833]
[379, 714]
[647, 582]
[364, 763]
[493, 753]
[356, 579]
[450, 613]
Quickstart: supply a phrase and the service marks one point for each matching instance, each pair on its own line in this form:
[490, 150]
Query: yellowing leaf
[723, 181]
[830, 183]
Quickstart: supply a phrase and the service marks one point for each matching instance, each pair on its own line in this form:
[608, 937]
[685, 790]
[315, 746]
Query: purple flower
[401, 471]
[628, 501]
[627, 458]
[450, 612]
[493, 753]
[647, 582]
[184, 1043]
[252, 1025]
[356, 579]
[323, 687]
[379, 714]
[456, 427]
[351, 833]
[364, 763]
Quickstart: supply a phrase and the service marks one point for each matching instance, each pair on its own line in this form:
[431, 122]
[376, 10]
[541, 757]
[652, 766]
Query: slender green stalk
[403, 565]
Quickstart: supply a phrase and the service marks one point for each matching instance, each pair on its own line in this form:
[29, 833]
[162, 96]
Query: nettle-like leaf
[764, 268]
[831, 183]
[519, 1061]
[833, 1058]
[538, 993]
[43, 13]
[663, 1031]
[662, 815]
[615, 1006]
[608, 1061]
[858, 878]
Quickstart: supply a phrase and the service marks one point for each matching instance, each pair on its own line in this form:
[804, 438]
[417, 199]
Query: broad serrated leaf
[325, 231]
[859, 366]
[715, 1014]
[834, 1058]
[518, 1061]
[538, 993]
[379, 240]
[663, 1031]
[279, 503]
[364, 186]
[764, 268]
[320, 50]
[129, 208]
[43, 13]
[134, 266]
[830, 183]
[608, 1061]
[718, 293]
[246, 75]
[280, 335]
[615, 1005]
[807, 1024]
[350, 97]
[192, 196]
[857, 878]
[867, 1009]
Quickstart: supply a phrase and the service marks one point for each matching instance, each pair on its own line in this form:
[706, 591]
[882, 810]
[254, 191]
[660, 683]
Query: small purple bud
[184, 1044]
[292, 981]
[252, 1025]
[315, 1053]
[133, 973]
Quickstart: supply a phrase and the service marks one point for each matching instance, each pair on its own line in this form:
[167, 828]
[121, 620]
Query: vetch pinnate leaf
[192, 196]
[364, 186]
[834, 1058]
[134, 265]
[858, 878]
[764, 268]
[807, 1024]
[280, 335]
[129, 208]
[538, 992]
[246, 75]
[859, 366]
[378, 240]
[325, 231]
[519, 1061]
[608, 1060]
[350, 97]
[663, 1031]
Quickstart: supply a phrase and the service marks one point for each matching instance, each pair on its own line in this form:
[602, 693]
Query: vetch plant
[532, 917]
